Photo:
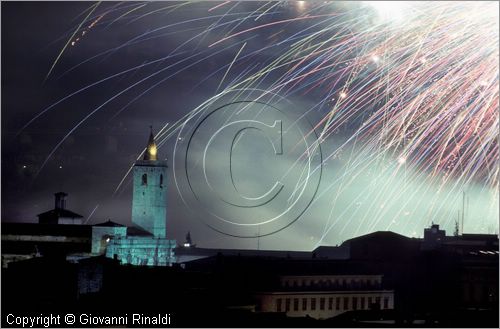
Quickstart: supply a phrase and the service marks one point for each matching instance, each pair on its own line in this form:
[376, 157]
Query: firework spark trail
[140, 38]
[267, 25]
[172, 8]
[265, 11]
[84, 89]
[158, 135]
[139, 6]
[370, 221]
[173, 74]
[92, 19]
[164, 137]
[417, 102]
[230, 65]
[423, 91]
[219, 5]
[91, 214]
[124, 91]
[69, 41]
[215, 25]
[233, 82]
[109, 77]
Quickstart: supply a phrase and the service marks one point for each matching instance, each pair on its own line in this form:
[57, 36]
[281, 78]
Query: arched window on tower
[144, 179]
[161, 181]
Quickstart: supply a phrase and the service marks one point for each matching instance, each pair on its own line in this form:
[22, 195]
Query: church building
[145, 242]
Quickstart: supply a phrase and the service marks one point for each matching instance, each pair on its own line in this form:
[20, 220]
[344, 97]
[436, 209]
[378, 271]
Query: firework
[413, 85]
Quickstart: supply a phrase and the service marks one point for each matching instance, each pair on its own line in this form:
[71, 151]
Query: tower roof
[151, 149]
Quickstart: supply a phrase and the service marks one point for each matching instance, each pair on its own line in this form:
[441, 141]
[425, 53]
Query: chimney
[60, 200]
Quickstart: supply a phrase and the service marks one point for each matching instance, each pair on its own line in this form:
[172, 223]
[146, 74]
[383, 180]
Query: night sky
[403, 97]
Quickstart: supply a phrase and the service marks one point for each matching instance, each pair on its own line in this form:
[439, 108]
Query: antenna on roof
[463, 210]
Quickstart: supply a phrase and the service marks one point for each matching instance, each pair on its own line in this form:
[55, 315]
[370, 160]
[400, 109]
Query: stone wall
[145, 251]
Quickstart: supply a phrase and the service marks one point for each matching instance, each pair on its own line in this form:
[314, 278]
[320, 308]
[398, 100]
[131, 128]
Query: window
[278, 305]
[330, 303]
[313, 304]
[161, 181]
[144, 179]
[287, 304]
[362, 306]
[370, 303]
[337, 304]
[295, 304]
[377, 302]
[304, 304]
[321, 303]
[355, 303]
[346, 303]
[386, 302]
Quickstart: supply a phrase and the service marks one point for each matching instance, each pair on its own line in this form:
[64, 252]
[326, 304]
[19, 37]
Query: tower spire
[151, 149]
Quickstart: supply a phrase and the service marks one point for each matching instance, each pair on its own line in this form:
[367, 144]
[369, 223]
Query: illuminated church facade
[145, 243]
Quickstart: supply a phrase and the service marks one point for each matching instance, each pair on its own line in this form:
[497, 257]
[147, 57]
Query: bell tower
[149, 200]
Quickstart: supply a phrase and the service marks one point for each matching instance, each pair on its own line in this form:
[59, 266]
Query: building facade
[326, 296]
[145, 243]
[149, 201]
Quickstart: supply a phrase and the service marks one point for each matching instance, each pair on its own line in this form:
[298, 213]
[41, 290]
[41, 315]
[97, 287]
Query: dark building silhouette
[60, 215]
[381, 278]
[378, 279]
